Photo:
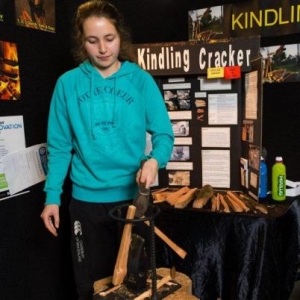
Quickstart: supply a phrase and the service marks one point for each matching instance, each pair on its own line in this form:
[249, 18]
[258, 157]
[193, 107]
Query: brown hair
[100, 8]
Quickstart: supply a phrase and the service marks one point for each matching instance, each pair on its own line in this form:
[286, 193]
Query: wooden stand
[185, 292]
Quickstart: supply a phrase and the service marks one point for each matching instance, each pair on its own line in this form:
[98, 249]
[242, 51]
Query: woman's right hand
[50, 217]
[148, 172]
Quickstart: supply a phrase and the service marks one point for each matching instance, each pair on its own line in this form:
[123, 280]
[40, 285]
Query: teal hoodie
[97, 127]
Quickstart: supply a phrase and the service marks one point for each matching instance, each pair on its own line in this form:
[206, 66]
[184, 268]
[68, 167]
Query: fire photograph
[10, 88]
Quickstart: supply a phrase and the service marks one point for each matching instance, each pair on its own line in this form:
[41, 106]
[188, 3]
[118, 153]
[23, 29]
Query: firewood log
[184, 200]
[202, 196]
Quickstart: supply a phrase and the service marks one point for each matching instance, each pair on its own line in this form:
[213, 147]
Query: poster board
[208, 115]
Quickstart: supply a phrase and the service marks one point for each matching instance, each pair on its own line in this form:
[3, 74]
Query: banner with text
[183, 58]
[264, 18]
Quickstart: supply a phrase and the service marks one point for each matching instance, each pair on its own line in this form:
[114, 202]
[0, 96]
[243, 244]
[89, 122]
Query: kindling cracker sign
[264, 18]
[179, 58]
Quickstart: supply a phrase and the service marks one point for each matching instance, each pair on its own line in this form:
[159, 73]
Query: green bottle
[278, 180]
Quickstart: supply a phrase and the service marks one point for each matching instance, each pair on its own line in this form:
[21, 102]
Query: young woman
[99, 115]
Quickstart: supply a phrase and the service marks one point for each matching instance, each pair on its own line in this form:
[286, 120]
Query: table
[234, 256]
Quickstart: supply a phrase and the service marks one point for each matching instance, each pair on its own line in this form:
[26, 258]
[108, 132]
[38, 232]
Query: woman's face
[102, 44]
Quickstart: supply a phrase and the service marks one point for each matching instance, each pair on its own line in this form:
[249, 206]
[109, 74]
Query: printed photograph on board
[181, 128]
[36, 14]
[10, 86]
[177, 99]
[179, 178]
[206, 23]
[248, 131]
[180, 153]
[254, 157]
[281, 63]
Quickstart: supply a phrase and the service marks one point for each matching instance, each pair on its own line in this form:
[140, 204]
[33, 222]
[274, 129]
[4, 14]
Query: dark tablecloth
[234, 256]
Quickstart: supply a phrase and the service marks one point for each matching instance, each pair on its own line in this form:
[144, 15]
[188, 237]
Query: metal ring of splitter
[155, 212]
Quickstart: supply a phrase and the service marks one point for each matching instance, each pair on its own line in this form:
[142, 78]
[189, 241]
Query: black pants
[95, 238]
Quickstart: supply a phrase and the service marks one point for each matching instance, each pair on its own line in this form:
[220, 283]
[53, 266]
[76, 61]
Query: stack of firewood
[206, 197]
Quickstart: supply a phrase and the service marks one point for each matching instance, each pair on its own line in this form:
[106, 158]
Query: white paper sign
[12, 138]
[216, 168]
[222, 109]
[25, 167]
[215, 137]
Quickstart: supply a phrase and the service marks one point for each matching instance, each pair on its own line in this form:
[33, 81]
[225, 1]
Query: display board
[212, 118]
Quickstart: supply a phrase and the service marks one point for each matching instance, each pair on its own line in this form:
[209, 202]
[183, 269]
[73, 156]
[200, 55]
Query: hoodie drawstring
[92, 107]
[114, 105]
